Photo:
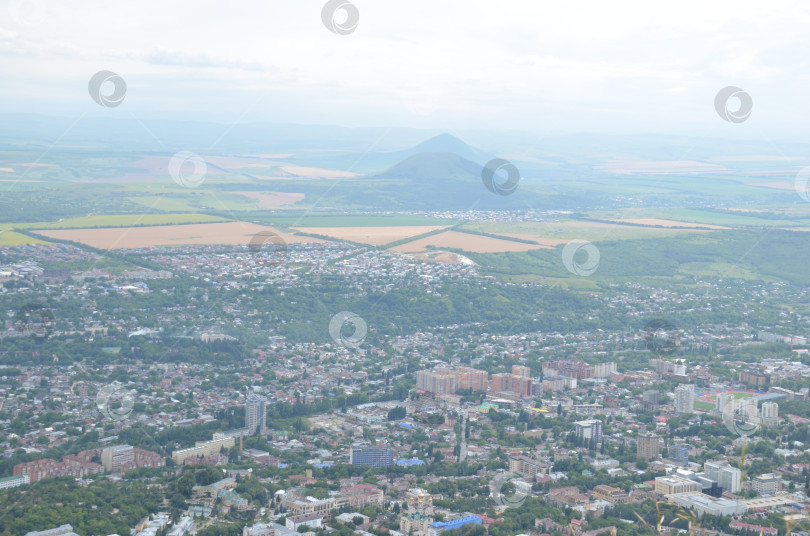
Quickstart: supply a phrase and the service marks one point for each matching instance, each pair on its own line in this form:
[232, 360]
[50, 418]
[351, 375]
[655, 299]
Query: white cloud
[588, 65]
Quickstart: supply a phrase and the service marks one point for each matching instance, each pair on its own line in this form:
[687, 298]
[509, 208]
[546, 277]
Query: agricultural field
[721, 270]
[783, 218]
[164, 203]
[305, 219]
[465, 242]
[230, 233]
[688, 255]
[10, 238]
[655, 222]
[167, 196]
[123, 220]
[556, 232]
[273, 200]
[371, 235]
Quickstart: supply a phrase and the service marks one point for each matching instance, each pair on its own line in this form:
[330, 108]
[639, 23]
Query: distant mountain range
[434, 171]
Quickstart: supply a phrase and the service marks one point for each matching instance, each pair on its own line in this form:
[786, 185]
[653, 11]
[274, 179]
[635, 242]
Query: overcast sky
[549, 67]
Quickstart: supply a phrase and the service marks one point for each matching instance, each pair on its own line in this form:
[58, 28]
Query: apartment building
[649, 446]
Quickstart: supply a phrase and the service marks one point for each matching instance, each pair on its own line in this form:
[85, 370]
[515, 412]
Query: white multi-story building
[255, 413]
[112, 458]
[766, 485]
[603, 370]
[685, 398]
[727, 476]
[730, 479]
[589, 430]
[769, 413]
[14, 481]
[712, 470]
[723, 400]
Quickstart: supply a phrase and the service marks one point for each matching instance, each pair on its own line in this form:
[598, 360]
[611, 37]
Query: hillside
[447, 143]
[434, 166]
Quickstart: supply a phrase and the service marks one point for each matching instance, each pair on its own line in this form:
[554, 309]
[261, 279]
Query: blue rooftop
[768, 396]
[412, 461]
[456, 523]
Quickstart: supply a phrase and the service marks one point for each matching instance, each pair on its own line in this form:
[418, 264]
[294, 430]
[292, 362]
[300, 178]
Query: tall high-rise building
[448, 381]
[770, 414]
[603, 370]
[589, 430]
[470, 378]
[722, 401]
[112, 458]
[685, 398]
[649, 400]
[567, 367]
[255, 413]
[649, 446]
[512, 384]
[373, 456]
[436, 382]
[755, 378]
[712, 469]
[727, 476]
[678, 452]
[520, 370]
[730, 479]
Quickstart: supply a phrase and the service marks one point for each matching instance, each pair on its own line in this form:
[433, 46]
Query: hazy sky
[550, 67]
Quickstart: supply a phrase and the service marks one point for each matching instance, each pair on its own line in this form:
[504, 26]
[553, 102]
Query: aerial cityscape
[408, 278]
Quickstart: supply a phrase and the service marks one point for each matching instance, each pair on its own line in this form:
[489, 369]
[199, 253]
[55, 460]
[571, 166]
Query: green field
[778, 218]
[751, 254]
[10, 238]
[340, 220]
[721, 270]
[122, 220]
[162, 203]
[563, 230]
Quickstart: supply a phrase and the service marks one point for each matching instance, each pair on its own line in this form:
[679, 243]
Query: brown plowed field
[231, 233]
